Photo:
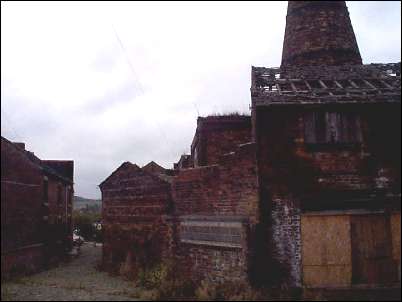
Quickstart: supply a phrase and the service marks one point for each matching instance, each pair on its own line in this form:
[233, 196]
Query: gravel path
[74, 281]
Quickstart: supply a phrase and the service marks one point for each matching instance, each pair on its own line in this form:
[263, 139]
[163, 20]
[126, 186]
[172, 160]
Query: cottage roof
[128, 166]
[123, 166]
[153, 167]
[41, 164]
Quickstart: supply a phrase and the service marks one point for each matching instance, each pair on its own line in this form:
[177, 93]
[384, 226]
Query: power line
[141, 88]
[128, 61]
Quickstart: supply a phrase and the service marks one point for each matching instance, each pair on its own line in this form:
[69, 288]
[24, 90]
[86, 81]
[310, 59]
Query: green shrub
[152, 278]
[164, 281]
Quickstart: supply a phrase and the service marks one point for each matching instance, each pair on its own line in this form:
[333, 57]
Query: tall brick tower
[319, 33]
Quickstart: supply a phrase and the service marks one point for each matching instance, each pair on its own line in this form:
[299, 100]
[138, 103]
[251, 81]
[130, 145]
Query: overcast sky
[104, 83]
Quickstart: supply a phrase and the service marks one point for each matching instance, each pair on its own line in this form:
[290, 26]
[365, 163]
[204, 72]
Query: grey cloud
[149, 112]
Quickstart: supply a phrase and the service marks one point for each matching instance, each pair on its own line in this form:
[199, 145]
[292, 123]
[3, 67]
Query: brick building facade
[134, 201]
[306, 191]
[36, 208]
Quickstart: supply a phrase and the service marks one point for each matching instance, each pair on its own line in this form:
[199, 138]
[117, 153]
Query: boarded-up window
[326, 250]
[372, 250]
[332, 127]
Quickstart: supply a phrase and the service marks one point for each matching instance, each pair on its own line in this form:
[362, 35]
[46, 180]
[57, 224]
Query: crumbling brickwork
[184, 162]
[228, 188]
[323, 144]
[299, 176]
[268, 198]
[319, 33]
[217, 206]
[218, 135]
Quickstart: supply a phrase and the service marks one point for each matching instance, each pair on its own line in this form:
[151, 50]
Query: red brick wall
[229, 188]
[212, 263]
[295, 176]
[219, 191]
[222, 142]
[28, 259]
[133, 203]
[21, 199]
[218, 135]
[26, 220]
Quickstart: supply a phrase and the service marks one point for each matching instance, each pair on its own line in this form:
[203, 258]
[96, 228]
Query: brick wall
[222, 202]
[21, 198]
[229, 188]
[24, 260]
[296, 176]
[133, 204]
[28, 219]
[212, 264]
[218, 135]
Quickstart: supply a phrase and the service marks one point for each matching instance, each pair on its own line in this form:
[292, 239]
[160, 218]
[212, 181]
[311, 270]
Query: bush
[152, 278]
[83, 222]
[164, 282]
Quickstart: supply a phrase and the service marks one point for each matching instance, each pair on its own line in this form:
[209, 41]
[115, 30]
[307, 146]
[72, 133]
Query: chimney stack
[319, 33]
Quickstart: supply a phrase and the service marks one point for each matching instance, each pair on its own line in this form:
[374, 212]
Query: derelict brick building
[36, 208]
[306, 192]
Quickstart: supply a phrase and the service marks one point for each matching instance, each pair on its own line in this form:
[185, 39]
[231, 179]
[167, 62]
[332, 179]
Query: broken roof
[372, 83]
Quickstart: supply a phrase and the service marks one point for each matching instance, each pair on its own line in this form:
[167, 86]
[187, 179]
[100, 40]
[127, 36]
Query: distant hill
[82, 203]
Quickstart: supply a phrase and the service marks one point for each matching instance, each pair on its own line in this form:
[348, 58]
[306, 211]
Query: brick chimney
[319, 33]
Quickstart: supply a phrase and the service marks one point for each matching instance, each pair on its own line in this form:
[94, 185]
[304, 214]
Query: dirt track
[77, 280]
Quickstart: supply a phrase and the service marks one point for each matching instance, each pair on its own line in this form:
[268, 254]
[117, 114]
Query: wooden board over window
[326, 250]
[372, 250]
[340, 250]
